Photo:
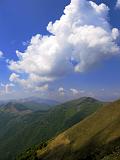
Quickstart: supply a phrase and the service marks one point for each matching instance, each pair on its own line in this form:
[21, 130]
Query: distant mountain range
[27, 104]
[38, 100]
[21, 126]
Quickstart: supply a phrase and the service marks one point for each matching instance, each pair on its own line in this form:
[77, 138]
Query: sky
[60, 49]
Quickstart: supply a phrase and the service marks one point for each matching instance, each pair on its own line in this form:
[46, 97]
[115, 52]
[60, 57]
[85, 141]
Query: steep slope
[96, 137]
[21, 132]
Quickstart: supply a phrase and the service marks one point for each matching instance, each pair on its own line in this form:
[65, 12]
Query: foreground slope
[96, 137]
[20, 131]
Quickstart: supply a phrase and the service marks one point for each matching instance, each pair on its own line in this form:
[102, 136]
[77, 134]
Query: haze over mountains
[31, 103]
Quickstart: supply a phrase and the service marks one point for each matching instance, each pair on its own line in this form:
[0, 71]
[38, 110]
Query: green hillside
[95, 138]
[18, 132]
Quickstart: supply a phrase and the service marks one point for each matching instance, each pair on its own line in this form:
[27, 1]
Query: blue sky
[22, 19]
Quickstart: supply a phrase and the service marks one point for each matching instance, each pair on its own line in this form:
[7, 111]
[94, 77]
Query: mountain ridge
[96, 137]
[41, 125]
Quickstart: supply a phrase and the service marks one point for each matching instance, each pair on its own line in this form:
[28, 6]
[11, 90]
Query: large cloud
[31, 83]
[81, 38]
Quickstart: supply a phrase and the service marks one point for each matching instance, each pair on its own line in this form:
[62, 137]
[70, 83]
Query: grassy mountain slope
[21, 132]
[72, 112]
[96, 137]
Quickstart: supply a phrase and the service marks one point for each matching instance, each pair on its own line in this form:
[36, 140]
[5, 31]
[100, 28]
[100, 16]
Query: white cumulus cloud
[31, 83]
[81, 38]
[74, 91]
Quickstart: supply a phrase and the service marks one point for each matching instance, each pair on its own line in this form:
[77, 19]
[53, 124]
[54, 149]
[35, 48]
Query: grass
[96, 137]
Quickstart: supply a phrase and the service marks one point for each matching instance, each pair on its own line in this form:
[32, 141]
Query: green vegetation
[19, 132]
[95, 138]
[31, 153]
